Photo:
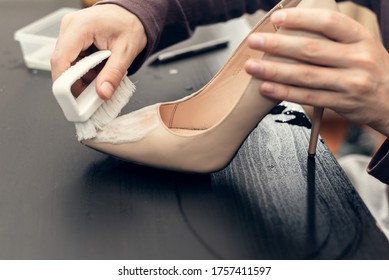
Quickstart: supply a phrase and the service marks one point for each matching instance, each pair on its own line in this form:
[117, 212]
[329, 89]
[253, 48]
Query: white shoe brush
[88, 111]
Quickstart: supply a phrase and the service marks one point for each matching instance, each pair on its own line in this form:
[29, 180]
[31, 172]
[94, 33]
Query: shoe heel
[313, 139]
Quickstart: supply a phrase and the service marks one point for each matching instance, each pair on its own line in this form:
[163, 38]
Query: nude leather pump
[200, 133]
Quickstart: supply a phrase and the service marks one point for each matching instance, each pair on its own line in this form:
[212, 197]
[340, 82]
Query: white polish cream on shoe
[128, 128]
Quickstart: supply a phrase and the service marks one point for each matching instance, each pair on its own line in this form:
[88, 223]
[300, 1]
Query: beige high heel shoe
[202, 132]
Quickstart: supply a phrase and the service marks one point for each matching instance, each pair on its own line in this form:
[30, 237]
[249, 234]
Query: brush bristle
[109, 110]
[85, 130]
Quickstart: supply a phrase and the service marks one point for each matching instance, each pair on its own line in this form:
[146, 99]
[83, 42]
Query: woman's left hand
[346, 71]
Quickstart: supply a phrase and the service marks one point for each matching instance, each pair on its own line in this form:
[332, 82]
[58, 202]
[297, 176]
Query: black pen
[191, 51]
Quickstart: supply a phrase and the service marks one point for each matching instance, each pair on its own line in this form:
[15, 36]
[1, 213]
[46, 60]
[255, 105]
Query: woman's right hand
[107, 27]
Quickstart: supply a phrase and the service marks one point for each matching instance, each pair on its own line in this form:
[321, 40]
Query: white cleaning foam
[129, 128]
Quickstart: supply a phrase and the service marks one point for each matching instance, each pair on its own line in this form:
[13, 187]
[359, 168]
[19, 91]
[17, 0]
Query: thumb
[111, 75]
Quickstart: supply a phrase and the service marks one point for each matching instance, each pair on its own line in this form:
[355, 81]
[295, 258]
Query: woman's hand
[349, 73]
[107, 27]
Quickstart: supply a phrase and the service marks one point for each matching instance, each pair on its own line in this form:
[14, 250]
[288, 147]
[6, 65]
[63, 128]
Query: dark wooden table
[61, 200]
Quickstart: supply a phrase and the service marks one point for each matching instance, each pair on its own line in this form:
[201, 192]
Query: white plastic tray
[37, 40]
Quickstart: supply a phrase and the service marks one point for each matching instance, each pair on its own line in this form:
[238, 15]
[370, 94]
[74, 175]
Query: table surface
[61, 200]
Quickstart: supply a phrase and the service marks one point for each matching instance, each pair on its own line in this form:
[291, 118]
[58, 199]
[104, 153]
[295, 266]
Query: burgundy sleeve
[170, 21]
[379, 165]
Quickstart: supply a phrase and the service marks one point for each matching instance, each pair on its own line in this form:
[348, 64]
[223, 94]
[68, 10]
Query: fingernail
[250, 65]
[107, 89]
[268, 88]
[257, 40]
[253, 67]
[278, 17]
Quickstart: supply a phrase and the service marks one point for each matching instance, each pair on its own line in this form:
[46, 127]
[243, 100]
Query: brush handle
[79, 109]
